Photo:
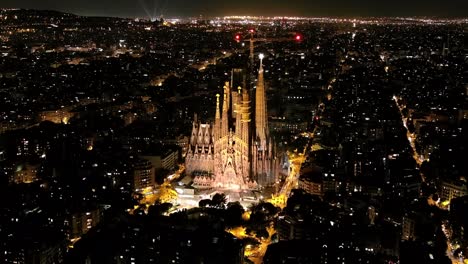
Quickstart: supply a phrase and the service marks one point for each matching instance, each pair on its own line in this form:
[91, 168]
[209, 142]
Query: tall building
[235, 152]
[82, 222]
[408, 227]
[163, 159]
[143, 175]
[452, 189]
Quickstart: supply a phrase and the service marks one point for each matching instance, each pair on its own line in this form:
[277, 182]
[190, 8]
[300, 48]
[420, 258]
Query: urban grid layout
[232, 139]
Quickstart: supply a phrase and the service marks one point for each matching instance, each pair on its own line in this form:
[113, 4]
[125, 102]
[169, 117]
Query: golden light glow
[73, 241]
[246, 216]
[445, 203]
[254, 253]
[278, 200]
[166, 194]
[238, 232]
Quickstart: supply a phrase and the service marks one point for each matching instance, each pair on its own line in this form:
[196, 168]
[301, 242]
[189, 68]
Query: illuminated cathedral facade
[235, 152]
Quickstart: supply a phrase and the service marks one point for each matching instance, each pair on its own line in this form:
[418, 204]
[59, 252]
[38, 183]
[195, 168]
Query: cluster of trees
[260, 216]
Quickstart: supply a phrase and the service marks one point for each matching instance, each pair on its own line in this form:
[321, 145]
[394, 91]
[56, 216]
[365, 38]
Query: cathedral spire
[217, 107]
[245, 116]
[261, 125]
[225, 118]
[217, 125]
[227, 87]
[225, 99]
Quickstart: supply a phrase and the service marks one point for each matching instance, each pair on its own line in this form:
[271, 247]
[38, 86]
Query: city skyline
[211, 8]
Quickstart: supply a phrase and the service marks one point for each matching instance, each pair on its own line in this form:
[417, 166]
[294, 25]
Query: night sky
[340, 8]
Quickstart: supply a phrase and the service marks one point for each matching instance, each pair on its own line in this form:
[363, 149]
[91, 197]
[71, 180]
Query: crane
[251, 38]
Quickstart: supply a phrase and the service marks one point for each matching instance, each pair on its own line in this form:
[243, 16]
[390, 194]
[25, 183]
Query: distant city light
[128, 106]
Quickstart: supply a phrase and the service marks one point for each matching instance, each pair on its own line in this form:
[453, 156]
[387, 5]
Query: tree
[219, 200]
[405, 112]
[411, 127]
[159, 209]
[204, 203]
[233, 214]
[261, 217]
[262, 233]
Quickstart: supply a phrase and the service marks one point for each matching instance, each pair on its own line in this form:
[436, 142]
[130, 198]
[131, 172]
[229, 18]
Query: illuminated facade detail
[233, 153]
[452, 189]
[25, 173]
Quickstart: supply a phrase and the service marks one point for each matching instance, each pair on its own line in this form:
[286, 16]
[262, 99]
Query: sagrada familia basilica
[235, 152]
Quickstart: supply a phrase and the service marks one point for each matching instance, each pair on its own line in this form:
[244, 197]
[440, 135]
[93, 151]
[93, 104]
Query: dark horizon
[144, 16]
[339, 136]
[211, 8]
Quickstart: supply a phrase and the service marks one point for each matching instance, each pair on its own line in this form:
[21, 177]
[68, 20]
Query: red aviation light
[237, 37]
[298, 37]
